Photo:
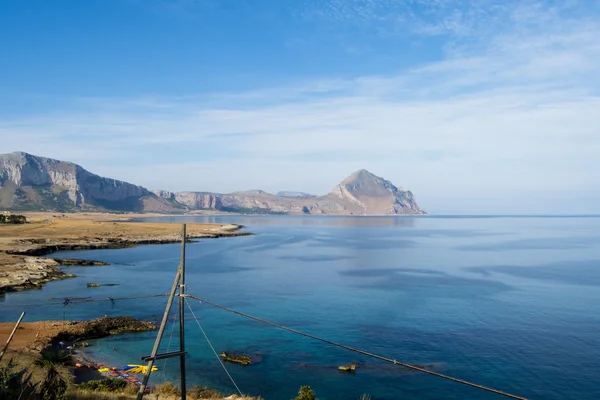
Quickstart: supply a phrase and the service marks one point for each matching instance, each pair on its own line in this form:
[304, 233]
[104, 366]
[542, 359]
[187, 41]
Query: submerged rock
[90, 284]
[238, 359]
[347, 368]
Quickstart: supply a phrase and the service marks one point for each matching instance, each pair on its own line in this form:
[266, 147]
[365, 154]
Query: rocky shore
[23, 248]
[101, 327]
[36, 336]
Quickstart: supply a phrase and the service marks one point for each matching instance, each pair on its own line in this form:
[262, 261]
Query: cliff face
[29, 182]
[198, 200]
[39, 182]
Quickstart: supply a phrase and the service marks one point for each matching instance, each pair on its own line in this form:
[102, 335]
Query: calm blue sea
[508, 302]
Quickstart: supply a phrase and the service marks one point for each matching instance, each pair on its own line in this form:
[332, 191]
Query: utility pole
[182, 316]
[178, 283]
[10, 337]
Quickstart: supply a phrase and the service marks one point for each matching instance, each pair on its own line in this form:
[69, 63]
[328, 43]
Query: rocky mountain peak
[375, 195]
[363, 182]
[361, 174]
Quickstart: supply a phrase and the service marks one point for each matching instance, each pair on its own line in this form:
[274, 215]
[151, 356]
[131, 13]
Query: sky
[476, 106]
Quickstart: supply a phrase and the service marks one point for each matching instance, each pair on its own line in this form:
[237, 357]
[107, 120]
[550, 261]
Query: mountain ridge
[29, 183]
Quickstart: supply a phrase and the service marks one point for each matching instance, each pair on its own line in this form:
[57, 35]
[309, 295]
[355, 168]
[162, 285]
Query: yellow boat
[139, 369]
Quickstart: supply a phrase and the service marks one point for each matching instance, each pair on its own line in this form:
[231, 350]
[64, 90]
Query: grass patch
[203, 392]
[166, 389]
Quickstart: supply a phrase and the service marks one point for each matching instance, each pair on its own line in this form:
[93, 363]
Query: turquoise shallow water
[507, 302]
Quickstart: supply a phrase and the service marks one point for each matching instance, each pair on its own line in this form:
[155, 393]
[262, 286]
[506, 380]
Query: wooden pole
[181, 315]
[11, 335]
[161, 330]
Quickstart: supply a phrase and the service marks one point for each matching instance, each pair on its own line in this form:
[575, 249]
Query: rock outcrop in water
[29, 182]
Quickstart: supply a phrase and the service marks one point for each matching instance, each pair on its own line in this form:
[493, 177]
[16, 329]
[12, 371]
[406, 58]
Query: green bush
[104, 385]
[50, 358]
[306, 393]
[12, 219]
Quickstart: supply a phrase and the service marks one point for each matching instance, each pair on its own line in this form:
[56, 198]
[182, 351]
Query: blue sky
[476, 106]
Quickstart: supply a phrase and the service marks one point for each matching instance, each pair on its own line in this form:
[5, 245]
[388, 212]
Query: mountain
[30, 182]
[375, 195]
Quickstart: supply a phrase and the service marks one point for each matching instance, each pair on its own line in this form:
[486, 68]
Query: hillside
[32, 183]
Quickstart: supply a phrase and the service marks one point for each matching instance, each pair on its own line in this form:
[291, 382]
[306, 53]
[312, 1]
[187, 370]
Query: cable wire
[366, 353]
[169, 346]
[70, 300]
[213, 349]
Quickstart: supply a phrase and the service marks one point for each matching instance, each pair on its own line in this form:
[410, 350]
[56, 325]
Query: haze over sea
[508, 302]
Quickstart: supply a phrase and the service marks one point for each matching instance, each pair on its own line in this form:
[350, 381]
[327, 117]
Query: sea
[509, 302]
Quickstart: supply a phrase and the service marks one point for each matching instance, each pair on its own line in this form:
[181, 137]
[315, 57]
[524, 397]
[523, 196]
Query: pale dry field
[50, 231]
[97, 225]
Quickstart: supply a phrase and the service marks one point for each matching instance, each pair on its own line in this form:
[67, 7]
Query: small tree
[55, 386]
[306, 393]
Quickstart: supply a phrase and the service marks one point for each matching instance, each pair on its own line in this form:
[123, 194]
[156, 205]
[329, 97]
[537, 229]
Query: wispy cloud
[509, 115]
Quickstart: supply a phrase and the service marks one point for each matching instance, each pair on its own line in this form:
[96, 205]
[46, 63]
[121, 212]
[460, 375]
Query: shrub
[55, 386]
[13, 219]
[203, 392]
[104, 385]
[306, 393]
[15, 384]
[50, 357]
[167, 389]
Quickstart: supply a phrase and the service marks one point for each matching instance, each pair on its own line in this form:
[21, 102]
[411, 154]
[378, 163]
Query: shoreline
[33, 338]
[23, 248]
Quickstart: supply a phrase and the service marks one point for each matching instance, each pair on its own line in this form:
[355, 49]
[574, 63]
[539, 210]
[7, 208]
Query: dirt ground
[30, 334]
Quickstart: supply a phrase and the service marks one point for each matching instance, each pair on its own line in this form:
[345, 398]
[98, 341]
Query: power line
[213, 349]
[70, 300]
[366, 353]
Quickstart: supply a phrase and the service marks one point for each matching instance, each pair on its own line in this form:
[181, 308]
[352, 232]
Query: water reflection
[336, 221]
